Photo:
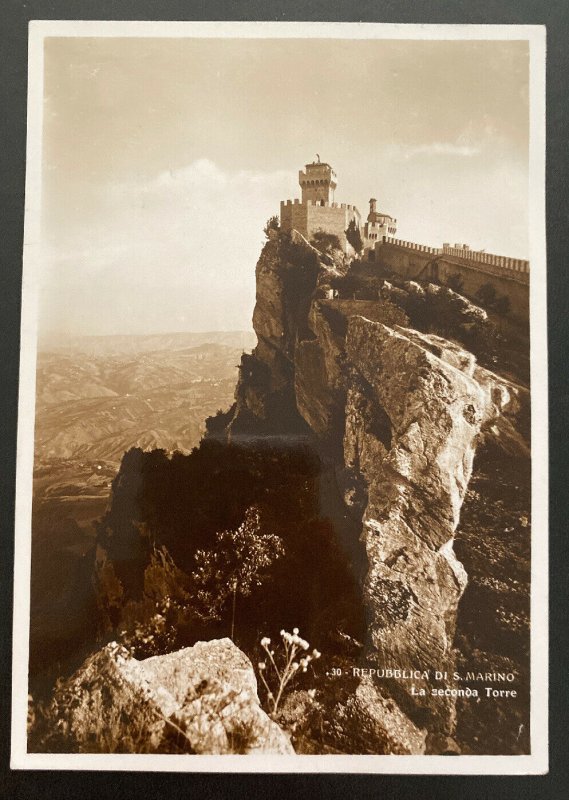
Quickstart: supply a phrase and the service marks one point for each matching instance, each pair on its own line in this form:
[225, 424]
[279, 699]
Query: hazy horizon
[50, 341]
[46, 335]
[163, 158]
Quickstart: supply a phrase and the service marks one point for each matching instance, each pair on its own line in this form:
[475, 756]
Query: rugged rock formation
[289, 273]
[432, 401]
[398, 413]
[202, 698]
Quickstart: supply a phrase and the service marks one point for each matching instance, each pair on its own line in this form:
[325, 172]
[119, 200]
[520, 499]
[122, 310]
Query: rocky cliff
[396, 415]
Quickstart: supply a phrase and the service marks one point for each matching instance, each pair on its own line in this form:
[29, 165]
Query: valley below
[97, 397]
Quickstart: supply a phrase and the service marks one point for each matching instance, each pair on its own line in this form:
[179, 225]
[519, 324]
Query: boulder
[204, 696]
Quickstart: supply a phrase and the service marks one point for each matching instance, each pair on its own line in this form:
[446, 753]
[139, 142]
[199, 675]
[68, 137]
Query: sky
[163, 159]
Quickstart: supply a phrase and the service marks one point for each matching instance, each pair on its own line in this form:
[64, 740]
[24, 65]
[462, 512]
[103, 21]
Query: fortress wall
[307, 218]
[294, 216]
[489, 260]
[406, 261]
[414, 261]
[473, 278]
[332, 219]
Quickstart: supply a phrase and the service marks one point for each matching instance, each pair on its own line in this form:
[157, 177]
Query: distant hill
[121, 344]
[98, 397]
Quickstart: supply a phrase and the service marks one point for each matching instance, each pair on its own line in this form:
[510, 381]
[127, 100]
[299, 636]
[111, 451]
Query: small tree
[455, 282]
[502, 305]
[272, 224]
[235, 565]
[486, 295]
[354, 236]
[326, 242]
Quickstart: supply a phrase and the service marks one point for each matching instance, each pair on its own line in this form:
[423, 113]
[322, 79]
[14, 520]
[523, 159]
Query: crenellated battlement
[502, 264]
[471, 270]
[312, 215]
[489, 259]
[317, 211]
[319, 204]
[421, 248]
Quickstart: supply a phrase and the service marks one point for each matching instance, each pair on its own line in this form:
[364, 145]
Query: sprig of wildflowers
[293, 645]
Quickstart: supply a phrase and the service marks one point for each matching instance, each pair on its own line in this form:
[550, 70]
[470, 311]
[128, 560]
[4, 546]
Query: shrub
[489, 298]
[354, 236]
[272, 224]
[487, 295]
[234, 566]
[347, 285]
[153, 625]
[502, 305]
[326, 242]
[455, 282]
[282, 668]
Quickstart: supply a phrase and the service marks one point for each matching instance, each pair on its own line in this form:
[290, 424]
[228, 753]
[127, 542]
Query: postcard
[282, 445]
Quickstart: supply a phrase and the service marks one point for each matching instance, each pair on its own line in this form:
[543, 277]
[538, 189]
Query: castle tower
[318, 182]
[317, 211]
[377, 226]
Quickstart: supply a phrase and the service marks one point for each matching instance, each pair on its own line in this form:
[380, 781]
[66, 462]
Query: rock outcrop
[433, 401]
[399, 414]
[289, 273]
[204, 698]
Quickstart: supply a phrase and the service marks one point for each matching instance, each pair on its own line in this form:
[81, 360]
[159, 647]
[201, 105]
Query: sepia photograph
[282, 460]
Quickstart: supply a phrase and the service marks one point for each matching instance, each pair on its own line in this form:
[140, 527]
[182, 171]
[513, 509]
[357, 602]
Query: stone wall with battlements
[502, 264]
[509, 276]
[307, 218]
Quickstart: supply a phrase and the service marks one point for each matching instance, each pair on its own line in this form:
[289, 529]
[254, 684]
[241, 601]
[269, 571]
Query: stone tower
[317, 211]
[318, 182]
[378, 225]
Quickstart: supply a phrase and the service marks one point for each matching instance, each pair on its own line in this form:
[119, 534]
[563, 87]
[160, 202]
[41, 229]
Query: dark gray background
[14, 17]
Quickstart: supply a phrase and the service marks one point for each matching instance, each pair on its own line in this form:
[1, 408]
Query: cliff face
[289, 274]
[397, 415]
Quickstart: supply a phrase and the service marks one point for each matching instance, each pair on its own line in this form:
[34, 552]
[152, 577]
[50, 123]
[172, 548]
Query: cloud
[444, 149]
[475, 138]
[203, 174]
[435, 149]
[181, 245]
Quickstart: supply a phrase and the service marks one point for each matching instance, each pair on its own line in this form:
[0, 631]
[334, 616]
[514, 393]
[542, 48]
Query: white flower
[262, 665]
[316, 653]
[265, 641]
[295, 631]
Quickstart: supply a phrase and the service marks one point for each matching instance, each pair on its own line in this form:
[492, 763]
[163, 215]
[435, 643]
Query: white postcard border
[537, 762]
